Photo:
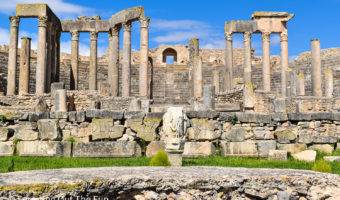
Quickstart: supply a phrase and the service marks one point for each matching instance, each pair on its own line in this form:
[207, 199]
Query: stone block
[203, 129]
[323, 139]
[35, 116]
[40, 105]
[322, 116]
[4, 133]
[154, 115]
[263, 134]
[44, 148]
[338, 146]
[107, 149]
[307, 155]
[146, 133]
[326, 148]
[285, 135]
[336, 116]
[292, 148]
[104, 88]
[134, 114]
[154, 147]
[104, 114]
[305, 137]
[153, 123]
[198, 149]
[279, 117]
[278, 155]
[76, 116]
[247, 149]
[236, 134]
[94, 113]
[49, 129]
[6, 148]
[11, 115]
[27, 131]
[175, 158]
[58, 115]
[226, 116]
[202, 114]
[254, 117]
[134, 124]
[104, 129]
[265, 146]
[332, 158]
[56, 86]
[299, 116]
[279, 105]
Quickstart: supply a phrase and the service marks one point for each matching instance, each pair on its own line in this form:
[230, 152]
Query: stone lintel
[130, 14]
[240, 26]
[86, 25]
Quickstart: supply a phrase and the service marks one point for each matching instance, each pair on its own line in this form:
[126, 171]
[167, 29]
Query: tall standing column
[198, 77]
[114, 61]
[247, 57]
[126, 77]
[216, 80]
[316, 68]
[228, 78]
[329, 82]
[284, 62]
[144, 56]
[12, 55]
[194, 49]
[266, 60]
[41, 70]
[93, 61]
[24, 75]
[74, 59]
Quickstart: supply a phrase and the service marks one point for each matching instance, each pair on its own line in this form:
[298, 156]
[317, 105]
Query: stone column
[12, 55]
[316, 68]
[247, 57]
[24, 75]
[93, 61]
[293, 80]
[144, 57]
[228, 78]
[48, 57]
[57, 56]
[284, 62]
[329, 82]
[126, 68]
[41, 70]
[198, 77]
[61, 101]
[74, 59]
[194, 49]
[209, 97]
[300, 88]
[114, 61]
[266, 60]
[216, 80]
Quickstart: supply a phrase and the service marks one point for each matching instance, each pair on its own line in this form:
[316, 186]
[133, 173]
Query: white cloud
[176, 24]
[180, 36]
[58, 6]
[4, 36]
[84, 49]
[275, 40]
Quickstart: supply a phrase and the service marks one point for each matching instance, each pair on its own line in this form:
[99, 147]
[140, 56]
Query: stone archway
[169, 52]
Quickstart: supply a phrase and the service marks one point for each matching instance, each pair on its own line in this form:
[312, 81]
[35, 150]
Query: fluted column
[247, 57]
[216, 80]
[93, 61]
[12, 54]
[144, 56]
[74, 59]
[316, 68]
[24, 74]
[228, 78]
[284, 62]
[126, 77]
[266, 61]
[41, 70]
[114, 60]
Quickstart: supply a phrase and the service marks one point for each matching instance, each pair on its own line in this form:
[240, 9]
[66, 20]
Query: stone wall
[109, 133]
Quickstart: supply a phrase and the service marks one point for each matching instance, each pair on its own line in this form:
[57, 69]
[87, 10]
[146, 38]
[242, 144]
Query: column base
[175, 157]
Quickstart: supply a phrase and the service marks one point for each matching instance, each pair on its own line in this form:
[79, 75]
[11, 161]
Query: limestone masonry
[132, 103]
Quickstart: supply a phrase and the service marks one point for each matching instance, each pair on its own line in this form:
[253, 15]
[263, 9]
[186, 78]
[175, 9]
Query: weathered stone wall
[170, 183]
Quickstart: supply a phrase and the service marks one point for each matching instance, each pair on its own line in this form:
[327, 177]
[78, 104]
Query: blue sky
[176, 21]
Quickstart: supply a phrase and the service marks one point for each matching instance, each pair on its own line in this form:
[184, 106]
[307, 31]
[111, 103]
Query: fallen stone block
[236, 134]
[194, 133]
[209, 114]
[90, 114]
[107, 149]
[299, 116]
[323, 139]
[58, 115]
[307, 155]
[134, 114]
[76, 116]
[155, 115]
[6, 148]
[279, 117]
[292, 148]
[11, 115]
[27, 131]
[154, 147]
[305, 137]
[265, 146]
[279, 105]
[104, 114]
[285, 136]
[35, 116]
[326, 148]
[332, 158]
[254, 117]
[247, 149]
[49, 129]
[198, 149]
[263, 134]
[146, 133]
[104, 129]
[322, 116]
[44, 148]
[4, 133]
[226, 116]
[278, 155]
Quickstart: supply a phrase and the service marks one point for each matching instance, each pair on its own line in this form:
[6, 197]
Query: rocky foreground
[170, 183]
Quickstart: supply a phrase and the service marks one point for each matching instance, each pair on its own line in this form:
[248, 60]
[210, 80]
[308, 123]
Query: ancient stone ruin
[225, 101]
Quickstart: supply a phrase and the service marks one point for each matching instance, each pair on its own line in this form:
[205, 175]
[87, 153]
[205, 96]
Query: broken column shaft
[24, 75]
[316, 68]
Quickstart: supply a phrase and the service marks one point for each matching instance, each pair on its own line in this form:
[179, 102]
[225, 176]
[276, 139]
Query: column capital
[93, 35]
[14, 21]
[75, 35]
[42, 21]
[144, 22]
[247, 36]
[115, 30]
[127, 26]
[284, 36]
[228, 36]
[266, 36]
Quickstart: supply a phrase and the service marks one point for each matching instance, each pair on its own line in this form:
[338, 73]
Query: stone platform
[171, 182]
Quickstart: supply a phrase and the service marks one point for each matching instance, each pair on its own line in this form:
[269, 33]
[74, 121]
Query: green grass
[35, 163]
